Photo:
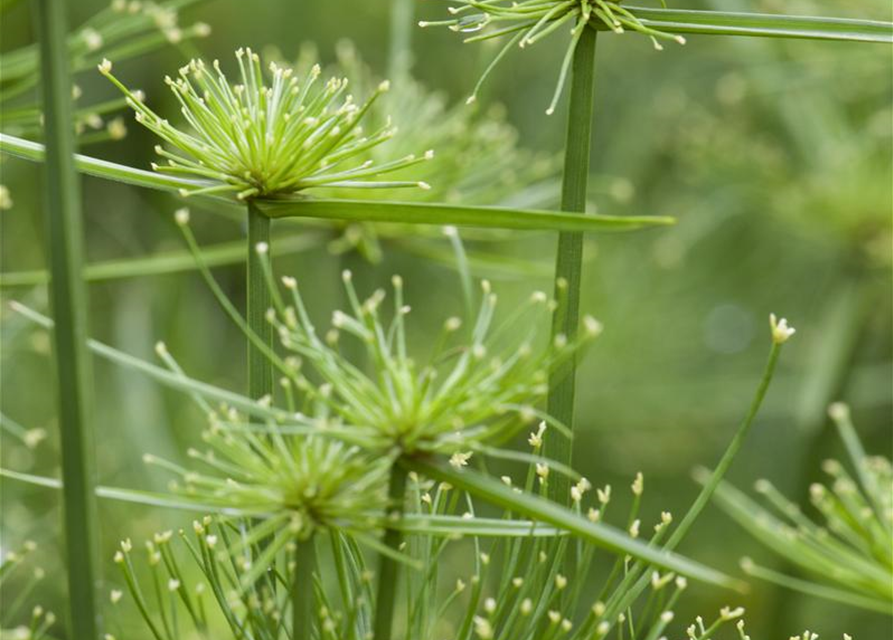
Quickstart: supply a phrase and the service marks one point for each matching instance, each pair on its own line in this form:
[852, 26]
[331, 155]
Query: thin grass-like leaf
[446, 214]
[546, 511]
[219, 255]
[732, 23]
[357, 210]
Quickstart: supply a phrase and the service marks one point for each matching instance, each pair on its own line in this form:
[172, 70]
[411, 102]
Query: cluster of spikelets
[297, 483]
[534, 600]
[261, 139]
[851, 552]
[307, 464]
[530, 21]
[40, 621]
[465, 396]
[525, 597]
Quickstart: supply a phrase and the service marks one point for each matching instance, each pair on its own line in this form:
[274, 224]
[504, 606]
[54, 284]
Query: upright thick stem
[302, 590]
[69, 304]
[260, 371]
[569, 260]
[387, 572]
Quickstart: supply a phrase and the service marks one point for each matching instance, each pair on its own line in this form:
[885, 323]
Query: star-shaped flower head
[470, 396]
[530, 21]
[260, 139]
[292, 481]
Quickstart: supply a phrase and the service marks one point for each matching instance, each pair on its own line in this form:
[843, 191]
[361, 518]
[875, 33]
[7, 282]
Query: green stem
[402, 24]
[69, 303]
[260, 370]
[728, 457]
[302, 595]
[387, 573]
[640, 576]
[569, 260]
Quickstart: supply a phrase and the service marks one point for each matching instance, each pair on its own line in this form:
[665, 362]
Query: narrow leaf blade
[733, 23]
[549, 512]
[461, 216]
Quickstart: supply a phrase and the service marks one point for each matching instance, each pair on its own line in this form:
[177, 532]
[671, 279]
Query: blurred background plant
[848, 556]
[774, 155]
[122, 30]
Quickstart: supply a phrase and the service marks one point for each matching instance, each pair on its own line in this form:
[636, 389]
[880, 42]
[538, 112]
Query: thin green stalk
[387, 572]
[728, 457]
[633, 586]
[302, 590]
[402, 25]
[69, 303]
[569, 260]
[260, 371]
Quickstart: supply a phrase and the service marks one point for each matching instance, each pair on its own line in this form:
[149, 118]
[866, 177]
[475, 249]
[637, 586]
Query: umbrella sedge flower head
[266, 138]
[467, 395]
[293, 482]
[530, 21]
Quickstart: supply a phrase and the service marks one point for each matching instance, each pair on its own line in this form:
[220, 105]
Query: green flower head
[530, 21]
[467, 395]
[292, 481]
[266, 139]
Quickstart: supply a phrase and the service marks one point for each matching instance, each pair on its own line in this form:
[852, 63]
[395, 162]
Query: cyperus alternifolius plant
[265, 139]
[530, 21]
[464, 396]
[293, 481]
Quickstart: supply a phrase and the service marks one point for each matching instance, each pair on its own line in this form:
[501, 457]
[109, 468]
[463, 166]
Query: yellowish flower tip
[593, 327]
[781, 331]
[116, 128]
[262, 248]
[105, 67]
[638, 485]
[92, 38]
[181, 216]
[839, 412]
[161, 348]
[5, 198]
[727, 613]
[424, 186]
[536, 438]
[460, 459]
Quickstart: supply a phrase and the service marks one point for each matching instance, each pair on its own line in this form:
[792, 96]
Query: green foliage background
[775, 156]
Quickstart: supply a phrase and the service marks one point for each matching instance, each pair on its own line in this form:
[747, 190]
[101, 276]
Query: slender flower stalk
[636, 578]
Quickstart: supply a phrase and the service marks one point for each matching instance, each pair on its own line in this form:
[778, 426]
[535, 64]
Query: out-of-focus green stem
[69, 304]
[387, 573]
[569, 260]
[302, 590]
[402, 24]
